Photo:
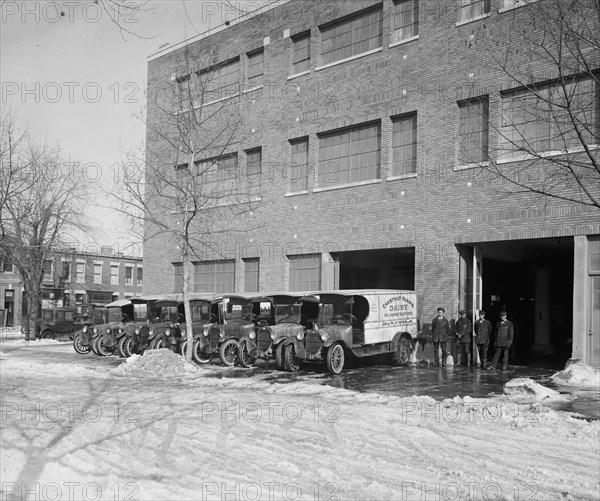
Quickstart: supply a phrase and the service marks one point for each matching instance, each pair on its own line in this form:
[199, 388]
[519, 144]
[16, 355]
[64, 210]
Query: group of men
[481, 336]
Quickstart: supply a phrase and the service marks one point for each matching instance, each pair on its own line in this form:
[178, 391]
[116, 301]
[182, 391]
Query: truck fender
[396, 340]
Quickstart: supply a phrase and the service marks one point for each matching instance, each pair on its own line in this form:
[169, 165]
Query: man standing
[463, 337]
[483, 332]
[440, 330]
[504, 339]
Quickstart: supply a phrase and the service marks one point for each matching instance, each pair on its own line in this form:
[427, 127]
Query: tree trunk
[186, 305]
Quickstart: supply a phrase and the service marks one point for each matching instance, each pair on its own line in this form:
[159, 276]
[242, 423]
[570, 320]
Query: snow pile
[578, 374]
[26, 368]
[157, 363]
[525, 387]
[36, 342]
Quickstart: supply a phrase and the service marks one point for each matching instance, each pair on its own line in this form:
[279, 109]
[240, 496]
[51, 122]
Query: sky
[79, 81]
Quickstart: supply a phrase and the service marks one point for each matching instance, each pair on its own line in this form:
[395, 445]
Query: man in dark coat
[483, 332]
[440, 330]
[463, 337]
[504, 339]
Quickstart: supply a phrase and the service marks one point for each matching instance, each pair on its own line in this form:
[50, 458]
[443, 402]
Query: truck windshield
[287, 313]
[200, 311]
[140, 312]
[237, 310]
[114, 314]
[336, 313]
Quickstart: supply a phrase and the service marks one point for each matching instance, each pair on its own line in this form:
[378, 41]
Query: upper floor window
[473, 121]
[350, 155]
[97, 273]
[404, 143]
[255, 67]
[114, 274]
[253, 164]
[406, 19]
[301, 57]
[554, 116]
[352, 36]
[5, 266]
[214, 276]
[128, 275]
[298, 173]
[218, 177]
[218, 82]
[511, 4]
[140, 275]
[47, 269]
[471, 9]
[80, 272]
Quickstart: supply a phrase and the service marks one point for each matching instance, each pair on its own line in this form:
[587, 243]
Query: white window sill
[473, 19]
[406, 40]
[295, 193]
[348, 185]
[401, 176]
[471, 166]
[237, 94]
[513, 7]
[296, 75]
[545, 154]
[352, 58]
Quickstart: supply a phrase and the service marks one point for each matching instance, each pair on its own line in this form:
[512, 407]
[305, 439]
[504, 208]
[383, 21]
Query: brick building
[74, 277]
[370, 121]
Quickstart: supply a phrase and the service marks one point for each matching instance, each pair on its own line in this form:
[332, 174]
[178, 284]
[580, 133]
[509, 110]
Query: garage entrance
[377, 269]
[533, 281]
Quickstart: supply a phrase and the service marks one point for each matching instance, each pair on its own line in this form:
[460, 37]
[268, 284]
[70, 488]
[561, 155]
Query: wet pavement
[373, 376]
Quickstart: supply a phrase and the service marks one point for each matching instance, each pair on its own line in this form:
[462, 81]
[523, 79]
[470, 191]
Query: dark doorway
[533, 281]
[377, 269]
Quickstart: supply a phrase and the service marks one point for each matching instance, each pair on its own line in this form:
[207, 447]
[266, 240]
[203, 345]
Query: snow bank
[578, 374]
[27, 368]
[156, 363]
[525, 387]
[33, 342]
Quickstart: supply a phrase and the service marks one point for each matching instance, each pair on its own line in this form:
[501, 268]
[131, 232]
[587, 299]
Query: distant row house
[73, 277]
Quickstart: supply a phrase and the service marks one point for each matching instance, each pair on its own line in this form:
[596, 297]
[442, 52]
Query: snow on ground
[578, 374]
[525, 387]
[152, 429]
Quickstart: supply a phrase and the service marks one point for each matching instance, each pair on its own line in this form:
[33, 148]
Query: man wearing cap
[463, 337]
[440, 330]
[483, 332]
[504, 338]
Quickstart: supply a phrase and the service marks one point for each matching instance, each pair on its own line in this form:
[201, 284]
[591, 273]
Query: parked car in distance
[56, 322]
[360, 323]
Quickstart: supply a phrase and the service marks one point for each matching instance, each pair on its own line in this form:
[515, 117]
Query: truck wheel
[47, 334]
[199, 356]
[124, 347]
[228, 352]
[100, 349]
[78, 347]
[279, 357]
[156, 344]
[403, 350]
[244, 357]
[335, 358]
[93, 346]
[289, 359]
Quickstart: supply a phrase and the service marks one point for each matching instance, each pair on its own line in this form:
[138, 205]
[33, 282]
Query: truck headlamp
[252, 335]
[324, 336]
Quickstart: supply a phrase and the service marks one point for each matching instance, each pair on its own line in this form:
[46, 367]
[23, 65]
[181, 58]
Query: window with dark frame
[214, 276]
[352, 36]
[253, 165]
[471, 9]
[65, 273]
[80, 272]
[219, 82]
[251, 274]
[140, 275]
[218, 176]
[255, 67]
[301, 55]
[97, 273]
[177, 277]
[350, 155]
[406, 19]
[6, 266]
[473, 118]
[128, 275]
[114, 275]
[305, 272]
[404, 144]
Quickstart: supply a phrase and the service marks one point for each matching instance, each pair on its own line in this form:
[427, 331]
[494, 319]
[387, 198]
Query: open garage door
[377, 269]
[533, 281]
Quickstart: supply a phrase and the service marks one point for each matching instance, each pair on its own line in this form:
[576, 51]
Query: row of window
[345, 38]
[219, 276]
[80, 273]
[551, 117]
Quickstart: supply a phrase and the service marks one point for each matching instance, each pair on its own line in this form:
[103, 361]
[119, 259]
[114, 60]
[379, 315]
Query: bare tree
[42, 199]
[191, 188]
[545, 142]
